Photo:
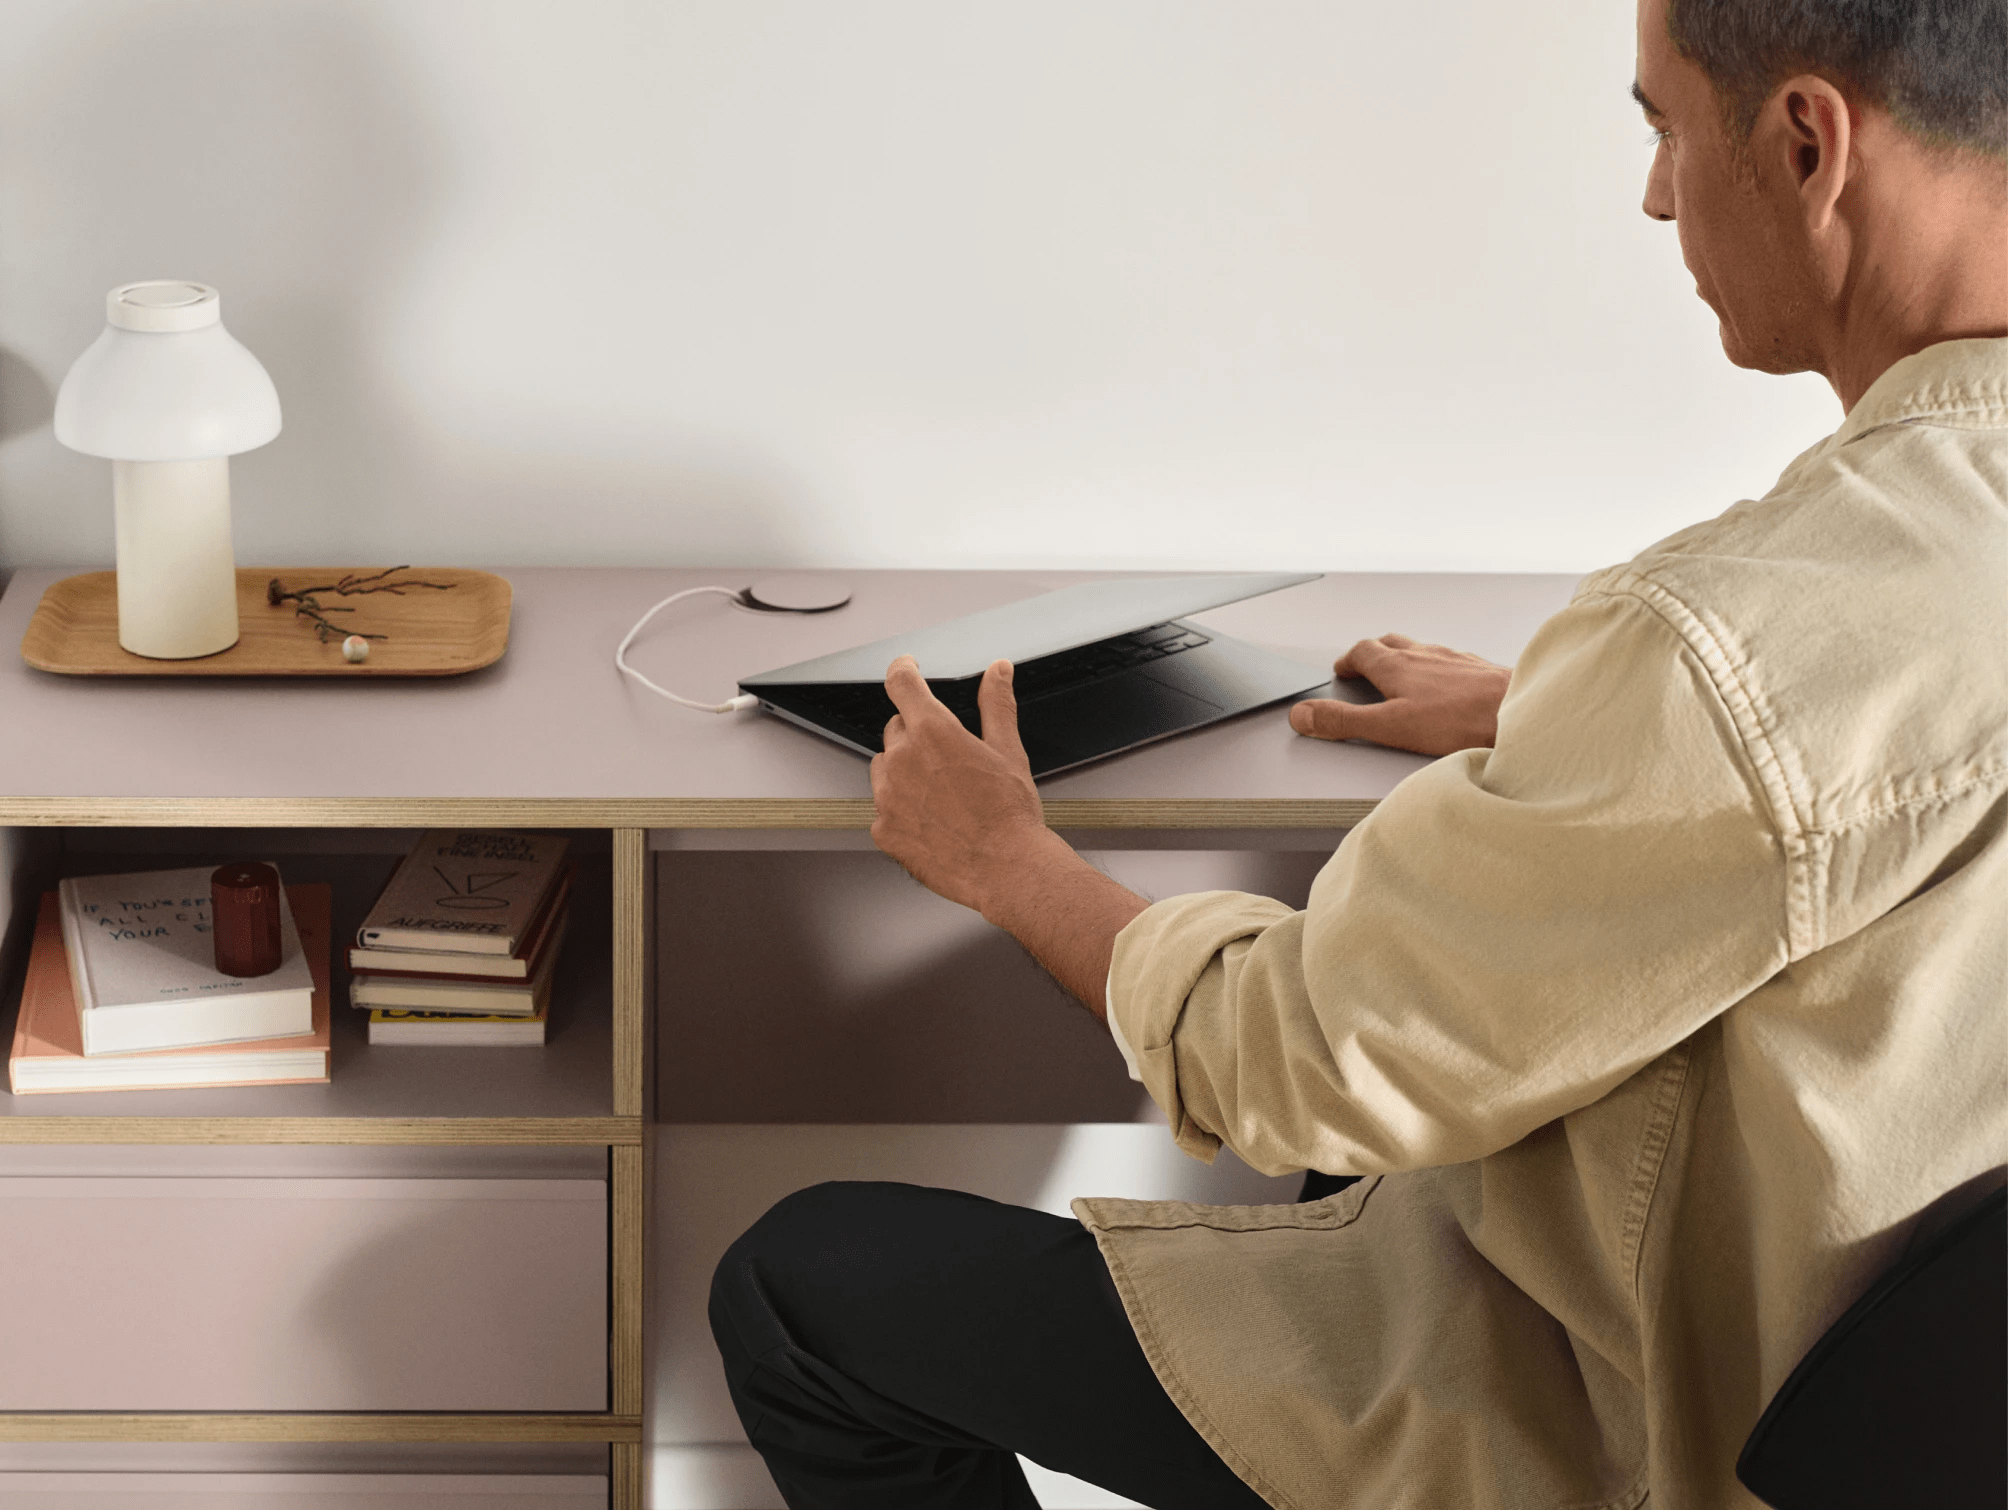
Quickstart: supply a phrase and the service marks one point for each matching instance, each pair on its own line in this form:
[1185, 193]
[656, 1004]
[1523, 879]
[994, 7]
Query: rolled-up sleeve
[1509, 935]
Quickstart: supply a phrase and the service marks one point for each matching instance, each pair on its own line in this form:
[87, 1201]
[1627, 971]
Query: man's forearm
[1065, 912]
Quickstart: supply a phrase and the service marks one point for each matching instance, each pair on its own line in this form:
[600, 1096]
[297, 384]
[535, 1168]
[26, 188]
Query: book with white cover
[142, 956]
[48, 1053]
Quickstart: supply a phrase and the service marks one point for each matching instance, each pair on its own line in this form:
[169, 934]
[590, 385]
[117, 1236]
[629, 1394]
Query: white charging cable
[730, 705]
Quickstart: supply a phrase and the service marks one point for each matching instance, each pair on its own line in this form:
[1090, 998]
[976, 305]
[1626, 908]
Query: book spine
[73, 946]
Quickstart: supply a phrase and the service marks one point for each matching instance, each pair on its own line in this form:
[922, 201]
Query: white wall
[1038, 282]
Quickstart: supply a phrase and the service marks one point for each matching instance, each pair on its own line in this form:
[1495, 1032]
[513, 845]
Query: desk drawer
[303, 1294]
[298, 1491]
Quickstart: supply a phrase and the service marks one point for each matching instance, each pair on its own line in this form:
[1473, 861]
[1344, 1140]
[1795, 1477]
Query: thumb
[998, 705]
[1328, 718]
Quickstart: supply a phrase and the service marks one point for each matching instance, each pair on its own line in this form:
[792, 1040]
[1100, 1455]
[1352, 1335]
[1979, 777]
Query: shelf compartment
[562, 1092]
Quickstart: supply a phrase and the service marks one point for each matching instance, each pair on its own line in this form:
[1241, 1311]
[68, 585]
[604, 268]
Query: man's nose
[1659, 185]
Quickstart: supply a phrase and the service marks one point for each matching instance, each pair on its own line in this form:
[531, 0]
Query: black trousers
[894, 1346]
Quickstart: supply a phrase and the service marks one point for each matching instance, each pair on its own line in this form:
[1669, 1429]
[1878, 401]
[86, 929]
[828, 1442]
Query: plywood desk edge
[643, 812]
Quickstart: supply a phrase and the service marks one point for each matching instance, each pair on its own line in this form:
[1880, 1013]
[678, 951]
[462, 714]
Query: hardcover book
[388, 1025]
[48, 1052]
[142, 956]
[541, 935]
[465, 891]
[480, 998]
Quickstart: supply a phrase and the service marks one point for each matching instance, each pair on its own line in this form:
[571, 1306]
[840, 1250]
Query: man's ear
[1809, 119]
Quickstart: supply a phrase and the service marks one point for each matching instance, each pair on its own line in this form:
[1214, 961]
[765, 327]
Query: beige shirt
[1659, 1022]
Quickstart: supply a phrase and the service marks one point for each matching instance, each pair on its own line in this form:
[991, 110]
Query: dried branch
[309, 607]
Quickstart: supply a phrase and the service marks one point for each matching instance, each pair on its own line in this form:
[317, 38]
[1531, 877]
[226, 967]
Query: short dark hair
[1940, 67]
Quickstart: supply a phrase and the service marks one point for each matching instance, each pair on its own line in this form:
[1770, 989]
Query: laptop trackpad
[1111, 715]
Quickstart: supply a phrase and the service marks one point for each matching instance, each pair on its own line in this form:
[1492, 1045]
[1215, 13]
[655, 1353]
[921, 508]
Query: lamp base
[177, 571]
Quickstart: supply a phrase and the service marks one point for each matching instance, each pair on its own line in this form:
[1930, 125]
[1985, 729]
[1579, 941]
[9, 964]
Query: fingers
[1319, 718]
[907, 688]
[1327, 718]
[915, 700]
[1368, 656]
[997, 702]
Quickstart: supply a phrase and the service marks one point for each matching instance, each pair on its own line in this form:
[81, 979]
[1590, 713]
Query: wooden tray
[75, 630]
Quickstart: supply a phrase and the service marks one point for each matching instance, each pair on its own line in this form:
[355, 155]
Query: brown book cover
[465, 891]
[542, 935]
[48, 1052]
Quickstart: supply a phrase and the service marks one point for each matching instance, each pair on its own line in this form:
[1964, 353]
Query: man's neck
[1928, 263]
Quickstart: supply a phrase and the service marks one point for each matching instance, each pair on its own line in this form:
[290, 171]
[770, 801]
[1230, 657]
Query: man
[1659, 1022]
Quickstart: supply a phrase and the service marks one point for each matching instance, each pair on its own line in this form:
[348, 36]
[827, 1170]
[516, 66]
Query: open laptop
[1100, 667]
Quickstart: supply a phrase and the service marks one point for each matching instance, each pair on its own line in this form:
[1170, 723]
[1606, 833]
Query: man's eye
[1657, 138]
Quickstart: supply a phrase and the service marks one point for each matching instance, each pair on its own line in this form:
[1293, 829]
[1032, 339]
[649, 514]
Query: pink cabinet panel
[303, 1294]
[299, 1491]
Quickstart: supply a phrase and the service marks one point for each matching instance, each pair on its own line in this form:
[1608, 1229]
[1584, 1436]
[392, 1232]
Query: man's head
[1939, 67]
[1838, 170]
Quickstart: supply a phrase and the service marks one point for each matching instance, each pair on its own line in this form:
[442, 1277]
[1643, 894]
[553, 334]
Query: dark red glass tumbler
[244, 912]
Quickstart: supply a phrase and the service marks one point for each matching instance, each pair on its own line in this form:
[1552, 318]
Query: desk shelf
[584, 1086]
[559, 1093]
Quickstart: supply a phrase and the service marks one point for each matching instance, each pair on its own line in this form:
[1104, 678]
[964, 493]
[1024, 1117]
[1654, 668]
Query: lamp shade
[165, 381]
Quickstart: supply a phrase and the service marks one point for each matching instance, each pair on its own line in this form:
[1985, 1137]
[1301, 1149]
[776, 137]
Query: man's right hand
[1438, 700]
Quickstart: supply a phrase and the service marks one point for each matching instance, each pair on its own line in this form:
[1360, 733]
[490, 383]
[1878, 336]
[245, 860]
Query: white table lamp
[169, 396]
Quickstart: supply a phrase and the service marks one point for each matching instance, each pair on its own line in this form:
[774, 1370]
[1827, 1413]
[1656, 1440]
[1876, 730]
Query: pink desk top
[555, 725]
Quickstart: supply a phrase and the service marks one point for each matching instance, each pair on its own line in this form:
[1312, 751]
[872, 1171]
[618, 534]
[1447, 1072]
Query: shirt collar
[1963, 383]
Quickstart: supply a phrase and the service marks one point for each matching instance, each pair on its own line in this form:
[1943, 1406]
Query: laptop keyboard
[859, 710]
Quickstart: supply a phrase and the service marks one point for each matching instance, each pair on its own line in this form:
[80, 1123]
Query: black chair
[1904, 1400]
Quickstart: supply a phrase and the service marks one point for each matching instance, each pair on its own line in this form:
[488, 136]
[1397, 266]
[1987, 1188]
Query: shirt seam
[1942, 400]
[1754, 737]
[1336, 1222]
[1937, 796]
[1715, 660]
[1653, 1149]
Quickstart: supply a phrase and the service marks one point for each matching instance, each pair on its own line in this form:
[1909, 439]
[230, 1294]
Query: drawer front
[303, 1294]
[300, 1491]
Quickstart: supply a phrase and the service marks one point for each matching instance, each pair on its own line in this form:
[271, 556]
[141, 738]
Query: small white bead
[355, 648]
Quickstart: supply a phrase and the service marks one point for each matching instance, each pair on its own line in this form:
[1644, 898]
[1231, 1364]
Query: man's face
[1734, 225]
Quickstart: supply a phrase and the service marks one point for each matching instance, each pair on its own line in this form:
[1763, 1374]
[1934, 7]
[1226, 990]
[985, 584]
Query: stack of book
[122, 991]
[461, 947]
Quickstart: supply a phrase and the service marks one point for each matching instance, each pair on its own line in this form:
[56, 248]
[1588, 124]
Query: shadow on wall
[805, 987]
[27, 399]
[297, 157]
[829, 987]
[27, 865]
